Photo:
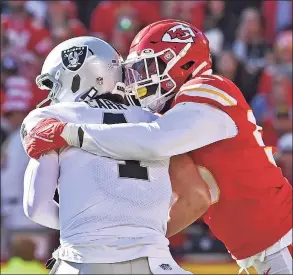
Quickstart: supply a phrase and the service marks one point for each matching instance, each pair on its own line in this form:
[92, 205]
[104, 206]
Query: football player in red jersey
[169, 67]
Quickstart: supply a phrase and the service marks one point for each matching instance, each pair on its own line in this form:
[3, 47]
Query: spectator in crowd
[283, 53]
[281, 62]
[280, 71]
[273, 110]
[190, 11]
[22, 259]
[13, 164]
[277, 17]
[37, 9]
[284, 155]
[228, 66]
[28, 40]
[84, 11]
[62, 21]
[281, 65]
[118, 22]
[216, 18]
[237, 7]
[13, 159]
[23, 31]
[13, 83]
[250, 46]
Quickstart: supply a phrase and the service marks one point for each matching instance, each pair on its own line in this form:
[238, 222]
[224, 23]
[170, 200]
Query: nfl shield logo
[74, 57]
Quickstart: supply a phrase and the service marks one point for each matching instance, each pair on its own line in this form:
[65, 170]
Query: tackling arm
[40, 182]
[193, 197]
[186, 127]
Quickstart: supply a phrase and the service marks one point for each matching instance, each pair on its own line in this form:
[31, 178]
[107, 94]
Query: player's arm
[192, 193]
[40, 182]
[186, 127]
[41, 126]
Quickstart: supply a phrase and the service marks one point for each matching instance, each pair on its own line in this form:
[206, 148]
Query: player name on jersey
[106, 104]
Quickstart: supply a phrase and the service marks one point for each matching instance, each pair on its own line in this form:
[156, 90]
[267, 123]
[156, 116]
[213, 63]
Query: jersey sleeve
[186, 127]
[40, 182]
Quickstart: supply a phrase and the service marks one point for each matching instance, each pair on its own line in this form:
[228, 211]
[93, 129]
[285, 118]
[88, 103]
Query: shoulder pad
[212, 80]
[212, 87]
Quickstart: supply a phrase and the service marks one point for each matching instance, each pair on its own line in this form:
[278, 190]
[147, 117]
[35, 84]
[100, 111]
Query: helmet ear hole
[187, 65]
[75, 83]
[47, 83]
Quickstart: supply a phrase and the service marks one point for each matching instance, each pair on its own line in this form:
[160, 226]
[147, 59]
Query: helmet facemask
[48, 82]
[147, 77]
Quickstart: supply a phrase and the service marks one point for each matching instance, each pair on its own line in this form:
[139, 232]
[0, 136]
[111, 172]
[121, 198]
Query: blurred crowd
[251, 44]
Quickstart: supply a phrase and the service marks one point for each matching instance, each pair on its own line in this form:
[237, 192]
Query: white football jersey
[110, 210]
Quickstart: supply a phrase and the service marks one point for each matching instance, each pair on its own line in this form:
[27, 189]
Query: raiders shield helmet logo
[74, 57]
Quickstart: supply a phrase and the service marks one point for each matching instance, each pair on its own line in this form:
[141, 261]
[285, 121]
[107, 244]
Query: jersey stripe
[208, 91]
[211, 182]
[290, 250]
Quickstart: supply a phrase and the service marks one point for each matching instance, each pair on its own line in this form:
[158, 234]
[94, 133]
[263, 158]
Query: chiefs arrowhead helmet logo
[179, 34]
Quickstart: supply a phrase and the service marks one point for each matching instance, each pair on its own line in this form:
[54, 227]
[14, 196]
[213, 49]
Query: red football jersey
[252, 201]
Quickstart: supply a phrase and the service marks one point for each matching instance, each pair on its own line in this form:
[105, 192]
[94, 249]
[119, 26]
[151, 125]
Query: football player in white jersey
[110, 211]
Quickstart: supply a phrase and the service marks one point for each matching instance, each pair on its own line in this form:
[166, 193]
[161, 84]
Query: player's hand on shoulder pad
[44, 137]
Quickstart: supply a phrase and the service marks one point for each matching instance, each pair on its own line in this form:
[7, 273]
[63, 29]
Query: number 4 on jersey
[131, 168]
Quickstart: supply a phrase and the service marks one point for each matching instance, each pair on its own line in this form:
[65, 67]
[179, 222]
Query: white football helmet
[79, 69]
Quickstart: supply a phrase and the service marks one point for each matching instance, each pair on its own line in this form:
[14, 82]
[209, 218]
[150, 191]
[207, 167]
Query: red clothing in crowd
[26, 34]
[105, 15]
[190, 11]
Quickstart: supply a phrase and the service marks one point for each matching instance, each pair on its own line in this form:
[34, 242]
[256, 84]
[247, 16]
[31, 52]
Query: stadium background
[251, 43]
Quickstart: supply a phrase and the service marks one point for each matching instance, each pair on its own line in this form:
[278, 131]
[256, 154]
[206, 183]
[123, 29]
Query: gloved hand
[44, 137]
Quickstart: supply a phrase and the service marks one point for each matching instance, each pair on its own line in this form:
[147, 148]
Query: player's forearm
[193, 196]
[121, 141]
[184, 128]
[185, 212]
[187, 209]
[125, 141]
